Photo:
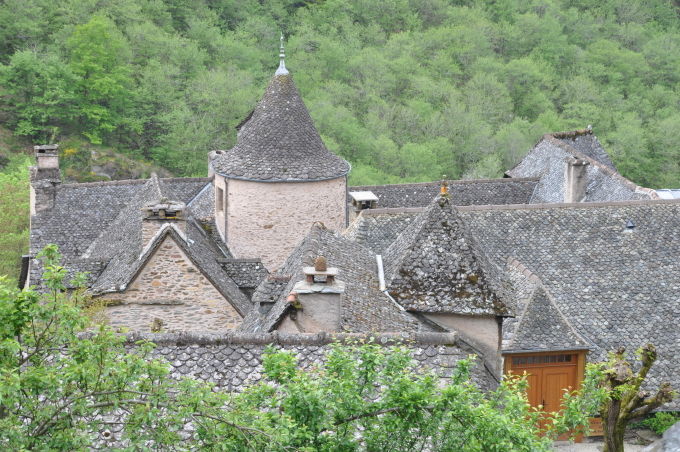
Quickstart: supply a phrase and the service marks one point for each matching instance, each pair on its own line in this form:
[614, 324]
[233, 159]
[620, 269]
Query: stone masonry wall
[268, 220]
[171, 288]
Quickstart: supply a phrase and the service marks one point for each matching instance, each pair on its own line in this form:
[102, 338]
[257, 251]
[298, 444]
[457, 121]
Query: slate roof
[543, 327]
[376, 229]
[278, 142]
[98, 228]
[233, 360]
[463, 192]
[614, 285]
[364, 307]
[585, 142]
[82, 212]
[436, 266]
[546, 161]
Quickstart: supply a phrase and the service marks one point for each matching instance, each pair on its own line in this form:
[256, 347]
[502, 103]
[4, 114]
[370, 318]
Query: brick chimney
[157, 214]
[575, 180]
[318, 299]
[45, 177]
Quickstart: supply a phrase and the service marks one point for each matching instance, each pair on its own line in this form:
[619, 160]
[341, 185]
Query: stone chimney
[157, 214]
[575, 180]
[318, 299]
[45, 177]
[361, 200]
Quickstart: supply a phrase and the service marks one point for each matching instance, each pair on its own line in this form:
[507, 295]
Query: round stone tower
[278, 179]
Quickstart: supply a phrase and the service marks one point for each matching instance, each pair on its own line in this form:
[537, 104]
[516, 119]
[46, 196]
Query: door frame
[580, 365]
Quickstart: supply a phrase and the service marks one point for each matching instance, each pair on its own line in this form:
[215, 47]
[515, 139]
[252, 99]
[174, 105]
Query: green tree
[614, 390]
[98, 53]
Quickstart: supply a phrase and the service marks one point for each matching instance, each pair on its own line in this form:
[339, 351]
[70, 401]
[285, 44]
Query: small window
[220, 200]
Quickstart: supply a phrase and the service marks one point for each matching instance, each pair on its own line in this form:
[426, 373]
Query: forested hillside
[404, 89]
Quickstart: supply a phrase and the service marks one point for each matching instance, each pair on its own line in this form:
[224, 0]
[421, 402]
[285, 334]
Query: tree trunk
[613, 427]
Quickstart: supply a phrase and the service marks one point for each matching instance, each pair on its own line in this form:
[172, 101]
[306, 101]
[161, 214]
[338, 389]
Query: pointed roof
[278, 141]
[364, 306]
[543, 327]
[436, 266]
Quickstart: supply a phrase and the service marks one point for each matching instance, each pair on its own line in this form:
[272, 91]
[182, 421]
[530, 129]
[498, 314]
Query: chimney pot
[320, 264]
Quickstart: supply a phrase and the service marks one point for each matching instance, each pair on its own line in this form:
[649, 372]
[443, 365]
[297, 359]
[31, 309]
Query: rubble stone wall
[171, 288]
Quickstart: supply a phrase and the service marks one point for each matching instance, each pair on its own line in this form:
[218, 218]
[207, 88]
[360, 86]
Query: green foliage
[661, 421]
[405, 90]
[613, 390]
[13, 221]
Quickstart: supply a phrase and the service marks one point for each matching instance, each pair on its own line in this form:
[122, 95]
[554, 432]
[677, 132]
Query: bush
[661, 421]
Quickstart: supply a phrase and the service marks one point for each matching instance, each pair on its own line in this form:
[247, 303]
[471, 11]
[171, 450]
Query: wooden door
[548, 375]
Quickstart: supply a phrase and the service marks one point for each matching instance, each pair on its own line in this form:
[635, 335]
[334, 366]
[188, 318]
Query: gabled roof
[463, 192]
[435, 266]
[83, 212]
[195, 243]
[585, 142]
[279, 142]
[546, 161]
[365, 308]
[378, 228]
[543, 327]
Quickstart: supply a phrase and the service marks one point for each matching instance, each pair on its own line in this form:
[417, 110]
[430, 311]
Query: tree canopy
[405, 90]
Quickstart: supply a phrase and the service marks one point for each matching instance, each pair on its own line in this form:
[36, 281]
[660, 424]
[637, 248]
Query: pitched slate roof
[376, 229]
[547, 162]
[278, 142]
[614, 285]
[585, 142]
[195, 243]
[82, 212]
[543, 327]
[463, 192]
[365, 308]
[436, 266]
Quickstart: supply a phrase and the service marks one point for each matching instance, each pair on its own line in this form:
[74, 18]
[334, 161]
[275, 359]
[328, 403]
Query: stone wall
[268, 220]
[171, 288]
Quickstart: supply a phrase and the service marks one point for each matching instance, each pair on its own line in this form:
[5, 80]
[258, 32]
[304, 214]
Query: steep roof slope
[365, 308]
[82, 212]
[543, 327]
[278, 141]
[547, 161]
[378, 228]
[436, 266]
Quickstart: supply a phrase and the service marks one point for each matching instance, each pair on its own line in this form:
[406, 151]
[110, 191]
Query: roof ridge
[600, 166]
[450, 182]
[596, 204]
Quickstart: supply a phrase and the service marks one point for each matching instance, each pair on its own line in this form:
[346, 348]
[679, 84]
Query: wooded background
[406, 90]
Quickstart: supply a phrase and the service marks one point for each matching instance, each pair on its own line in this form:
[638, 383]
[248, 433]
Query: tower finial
[282, 60]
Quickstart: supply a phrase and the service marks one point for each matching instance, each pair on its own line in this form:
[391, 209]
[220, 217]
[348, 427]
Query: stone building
[540, 271]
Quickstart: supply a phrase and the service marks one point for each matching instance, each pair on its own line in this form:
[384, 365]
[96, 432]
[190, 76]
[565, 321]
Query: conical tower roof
[278, 141]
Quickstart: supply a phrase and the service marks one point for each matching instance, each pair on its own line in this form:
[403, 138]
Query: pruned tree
[627, 400]
[613, 390]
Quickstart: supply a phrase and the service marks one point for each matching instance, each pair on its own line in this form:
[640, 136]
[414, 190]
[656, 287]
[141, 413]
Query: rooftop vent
[362, 200]
[630, 225]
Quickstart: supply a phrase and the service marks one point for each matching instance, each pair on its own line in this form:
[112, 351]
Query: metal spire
[282, 60]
